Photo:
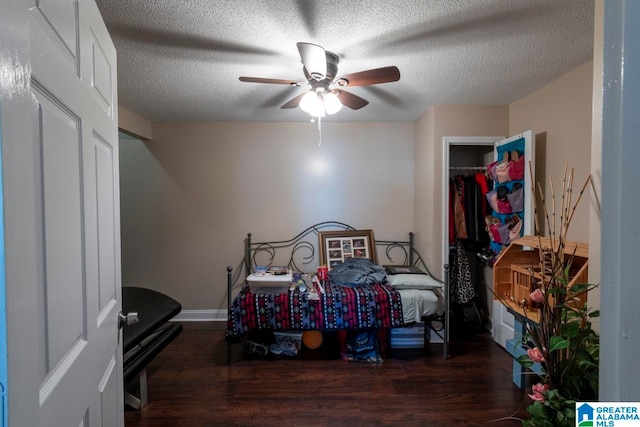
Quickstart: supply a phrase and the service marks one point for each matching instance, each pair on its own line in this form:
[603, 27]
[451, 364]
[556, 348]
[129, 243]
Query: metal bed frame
[303, 251]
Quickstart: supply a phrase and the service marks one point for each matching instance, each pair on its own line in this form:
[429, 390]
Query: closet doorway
[464, 157]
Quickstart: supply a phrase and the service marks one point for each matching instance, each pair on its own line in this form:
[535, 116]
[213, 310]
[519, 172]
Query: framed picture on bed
[336, 246]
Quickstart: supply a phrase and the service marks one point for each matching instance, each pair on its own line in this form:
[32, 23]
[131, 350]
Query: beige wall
[424, 177]
[431, 128]
[190, 196]
[560, 116]
[133, 124]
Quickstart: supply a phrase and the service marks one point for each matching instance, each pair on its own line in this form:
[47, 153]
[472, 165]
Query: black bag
[465, 318]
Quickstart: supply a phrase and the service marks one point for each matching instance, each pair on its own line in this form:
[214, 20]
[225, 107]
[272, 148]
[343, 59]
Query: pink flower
[537, 296]
[535, 355]
[538, 392]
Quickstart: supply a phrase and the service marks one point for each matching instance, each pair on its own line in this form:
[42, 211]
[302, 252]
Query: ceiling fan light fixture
[308, 101]
[318, 103]
[318, 108]
[332, 103]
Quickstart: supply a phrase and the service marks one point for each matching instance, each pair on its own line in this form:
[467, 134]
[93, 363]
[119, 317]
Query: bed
[407, 294]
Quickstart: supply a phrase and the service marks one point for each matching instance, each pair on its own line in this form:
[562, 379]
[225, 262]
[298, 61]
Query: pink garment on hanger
[492, 198]
[502, 171]
[491, 171]
[516, 171]
[481, 180]
[503, 206]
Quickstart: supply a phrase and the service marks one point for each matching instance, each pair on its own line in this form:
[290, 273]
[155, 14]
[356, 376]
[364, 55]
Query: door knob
[127, 319]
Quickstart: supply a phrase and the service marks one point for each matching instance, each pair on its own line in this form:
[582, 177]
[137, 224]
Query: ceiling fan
[320, 68]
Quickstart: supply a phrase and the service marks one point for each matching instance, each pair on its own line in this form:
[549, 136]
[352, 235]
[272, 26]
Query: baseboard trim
[201, 316]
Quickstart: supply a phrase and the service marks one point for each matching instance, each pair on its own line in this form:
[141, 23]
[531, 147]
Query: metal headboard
[301, 250]
[297, 244]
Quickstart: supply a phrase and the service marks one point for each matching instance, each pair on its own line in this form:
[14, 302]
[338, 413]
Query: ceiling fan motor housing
[332, 65]
[332, 69]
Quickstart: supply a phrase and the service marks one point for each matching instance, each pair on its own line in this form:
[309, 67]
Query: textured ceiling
[181, 59]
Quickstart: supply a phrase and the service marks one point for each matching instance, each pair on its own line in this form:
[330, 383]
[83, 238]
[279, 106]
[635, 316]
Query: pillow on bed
[413, 281]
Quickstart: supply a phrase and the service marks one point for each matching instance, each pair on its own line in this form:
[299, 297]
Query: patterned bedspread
[340, 308]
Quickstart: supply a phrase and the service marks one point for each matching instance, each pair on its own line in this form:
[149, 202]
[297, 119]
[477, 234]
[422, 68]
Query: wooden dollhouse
[517, 270]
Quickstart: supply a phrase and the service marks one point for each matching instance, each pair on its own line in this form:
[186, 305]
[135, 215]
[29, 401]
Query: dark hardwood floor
[190, 384]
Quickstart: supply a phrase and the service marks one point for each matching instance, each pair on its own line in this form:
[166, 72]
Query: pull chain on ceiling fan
[326, 95]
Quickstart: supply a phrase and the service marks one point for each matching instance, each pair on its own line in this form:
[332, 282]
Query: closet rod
[468, 168]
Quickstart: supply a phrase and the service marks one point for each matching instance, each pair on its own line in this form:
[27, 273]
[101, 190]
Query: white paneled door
[65, 346]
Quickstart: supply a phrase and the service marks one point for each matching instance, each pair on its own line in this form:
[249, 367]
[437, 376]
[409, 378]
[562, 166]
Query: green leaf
[558, 343]
[595, 313]
[536, 409]
[570, 412]
[562, 281]
[525, 361]
[559, 290]
[579, 287]
[570, 330]
[586, 364]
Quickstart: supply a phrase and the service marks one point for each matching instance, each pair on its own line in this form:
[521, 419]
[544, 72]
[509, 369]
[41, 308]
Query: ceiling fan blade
[294, 102]
[274, 81]
[350, 100]
[371, 77]
[314, 59]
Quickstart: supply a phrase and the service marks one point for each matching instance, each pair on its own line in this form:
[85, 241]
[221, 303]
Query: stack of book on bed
[272, 280]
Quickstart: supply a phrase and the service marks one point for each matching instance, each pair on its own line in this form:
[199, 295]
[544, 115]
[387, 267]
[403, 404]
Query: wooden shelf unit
[518, 267]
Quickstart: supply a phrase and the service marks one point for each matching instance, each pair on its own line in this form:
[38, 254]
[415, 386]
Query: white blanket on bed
[417, 303]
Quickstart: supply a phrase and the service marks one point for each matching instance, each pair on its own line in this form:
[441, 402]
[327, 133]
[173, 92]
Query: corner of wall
[133, 124]
[423, 155]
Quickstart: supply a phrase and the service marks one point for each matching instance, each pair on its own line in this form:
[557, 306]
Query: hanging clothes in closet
[468, 207]
[462, 289]
[468, 236]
